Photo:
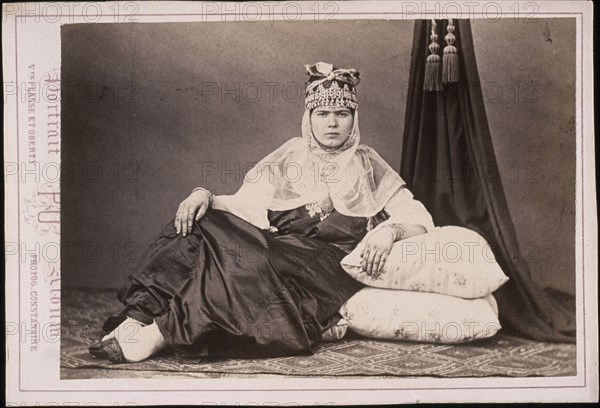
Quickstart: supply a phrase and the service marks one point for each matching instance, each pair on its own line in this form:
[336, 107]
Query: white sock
[128, 326]
[141, 343]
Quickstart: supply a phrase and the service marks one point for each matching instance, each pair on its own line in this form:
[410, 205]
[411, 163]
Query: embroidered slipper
[108, 349]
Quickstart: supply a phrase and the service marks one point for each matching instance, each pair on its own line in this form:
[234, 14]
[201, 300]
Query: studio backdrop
[150, 111]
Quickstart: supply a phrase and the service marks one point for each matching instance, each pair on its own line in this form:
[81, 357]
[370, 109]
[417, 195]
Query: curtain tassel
[450, 63]
[433, 71]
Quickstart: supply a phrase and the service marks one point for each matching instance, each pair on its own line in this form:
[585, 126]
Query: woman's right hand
[191, 209]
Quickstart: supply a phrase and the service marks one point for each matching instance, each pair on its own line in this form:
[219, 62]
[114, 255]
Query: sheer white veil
[354, 177]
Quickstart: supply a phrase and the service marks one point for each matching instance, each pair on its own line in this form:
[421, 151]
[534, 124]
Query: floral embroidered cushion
[449, 260]
[426, 317]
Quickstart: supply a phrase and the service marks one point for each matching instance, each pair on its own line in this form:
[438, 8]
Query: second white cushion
[426, 317]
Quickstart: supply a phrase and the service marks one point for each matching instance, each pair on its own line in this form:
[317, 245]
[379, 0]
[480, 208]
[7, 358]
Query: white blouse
[402, 208]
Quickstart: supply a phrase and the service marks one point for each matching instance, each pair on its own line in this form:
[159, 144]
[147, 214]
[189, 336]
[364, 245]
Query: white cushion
[448, 260]
[426, 317]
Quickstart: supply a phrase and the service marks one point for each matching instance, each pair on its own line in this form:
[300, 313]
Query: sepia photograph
[219, 213]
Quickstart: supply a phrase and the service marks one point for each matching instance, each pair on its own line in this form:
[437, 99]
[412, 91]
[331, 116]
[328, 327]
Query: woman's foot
[128, 327]
[130, 345]
[138, 346]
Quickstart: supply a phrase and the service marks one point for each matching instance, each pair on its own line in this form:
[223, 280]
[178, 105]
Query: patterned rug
[83, 313]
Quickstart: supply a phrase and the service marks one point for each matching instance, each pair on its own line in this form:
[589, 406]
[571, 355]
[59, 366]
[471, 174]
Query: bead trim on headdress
[332, 96]
[323, 74]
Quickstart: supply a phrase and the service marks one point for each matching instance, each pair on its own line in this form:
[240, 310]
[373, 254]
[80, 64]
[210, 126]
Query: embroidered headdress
[329, 86]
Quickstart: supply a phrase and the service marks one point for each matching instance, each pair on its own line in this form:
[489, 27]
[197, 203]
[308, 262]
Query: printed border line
[579, 19]
[411, 14]
[325, 389]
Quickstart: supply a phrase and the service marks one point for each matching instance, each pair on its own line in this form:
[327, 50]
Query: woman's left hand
[377, 247]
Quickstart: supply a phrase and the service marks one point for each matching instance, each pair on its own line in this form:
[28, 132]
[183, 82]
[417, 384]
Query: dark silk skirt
[230, 289]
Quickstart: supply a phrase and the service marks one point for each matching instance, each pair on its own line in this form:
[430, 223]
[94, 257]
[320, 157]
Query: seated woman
[258, 273]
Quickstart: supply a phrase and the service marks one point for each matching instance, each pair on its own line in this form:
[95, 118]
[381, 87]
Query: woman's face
[331, 125]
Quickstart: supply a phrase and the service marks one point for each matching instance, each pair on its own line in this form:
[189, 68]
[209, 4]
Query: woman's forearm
[402, 231]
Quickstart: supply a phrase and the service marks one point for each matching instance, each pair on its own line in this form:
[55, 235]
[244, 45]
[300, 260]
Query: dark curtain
[449, 164]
